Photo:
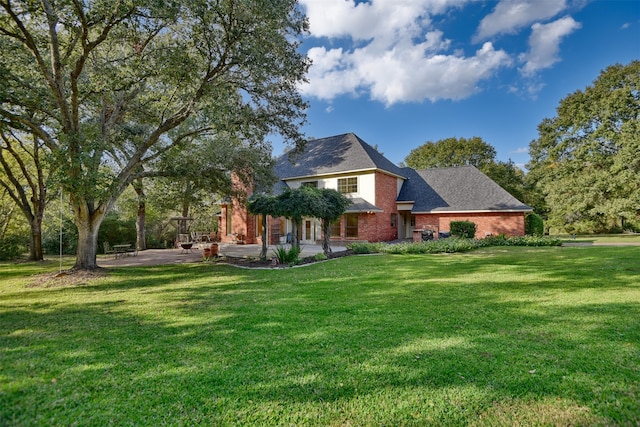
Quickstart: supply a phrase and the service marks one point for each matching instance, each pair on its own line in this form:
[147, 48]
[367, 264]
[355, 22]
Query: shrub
[51, 239]
[115, 230]
[432, 247]
[320, 256]
[287, 256]
[366, 247]
[463, 229]
[12, 247]
[533, 224]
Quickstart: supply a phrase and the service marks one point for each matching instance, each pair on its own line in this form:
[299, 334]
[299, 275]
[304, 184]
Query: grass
[602, 238]
[498, 336]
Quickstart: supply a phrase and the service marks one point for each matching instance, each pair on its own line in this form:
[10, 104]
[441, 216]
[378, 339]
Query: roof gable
[336, 154]
[462, 188]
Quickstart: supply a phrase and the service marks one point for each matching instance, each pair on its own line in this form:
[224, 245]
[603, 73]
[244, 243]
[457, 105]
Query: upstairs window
[348, 185]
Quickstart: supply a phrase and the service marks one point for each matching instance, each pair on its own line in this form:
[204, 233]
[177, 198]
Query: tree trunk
[141, 238]
[295, 232]
[326, 237]
[35, 249]
[88, 223]
[263, 252]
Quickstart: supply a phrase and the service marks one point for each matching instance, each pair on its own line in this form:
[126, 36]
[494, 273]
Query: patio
[178, 256]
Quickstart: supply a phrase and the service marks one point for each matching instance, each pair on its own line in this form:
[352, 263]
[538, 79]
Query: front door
[309, 231]
[409, 224]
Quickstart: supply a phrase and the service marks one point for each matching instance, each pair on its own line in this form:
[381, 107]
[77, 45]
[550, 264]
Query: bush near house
[451, 245]
[533, 224]
[463, 229]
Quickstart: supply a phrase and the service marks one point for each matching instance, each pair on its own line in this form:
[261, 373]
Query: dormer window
[348, 185]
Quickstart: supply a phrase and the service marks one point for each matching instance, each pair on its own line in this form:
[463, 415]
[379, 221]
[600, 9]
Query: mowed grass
[499, 336]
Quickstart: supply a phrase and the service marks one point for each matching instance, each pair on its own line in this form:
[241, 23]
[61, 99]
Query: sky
[399, 73]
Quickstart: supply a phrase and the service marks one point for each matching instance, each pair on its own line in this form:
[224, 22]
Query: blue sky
[399, 73]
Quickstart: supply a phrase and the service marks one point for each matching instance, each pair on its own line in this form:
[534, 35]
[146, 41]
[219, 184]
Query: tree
[333, 206]
[586, 160]
[451, 152]
[110, 87]
[325, 204]
[265, 205]
[24, 178]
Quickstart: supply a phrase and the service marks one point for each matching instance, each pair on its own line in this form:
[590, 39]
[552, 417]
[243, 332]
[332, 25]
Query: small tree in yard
[264, 205]
[335, 204]
[325, 204]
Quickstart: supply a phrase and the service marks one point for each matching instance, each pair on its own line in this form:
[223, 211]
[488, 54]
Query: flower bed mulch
[250, 262]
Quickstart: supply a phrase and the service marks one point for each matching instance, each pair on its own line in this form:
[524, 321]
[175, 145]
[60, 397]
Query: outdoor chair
[107, 248]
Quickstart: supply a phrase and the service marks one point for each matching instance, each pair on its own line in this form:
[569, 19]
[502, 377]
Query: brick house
[389, 202]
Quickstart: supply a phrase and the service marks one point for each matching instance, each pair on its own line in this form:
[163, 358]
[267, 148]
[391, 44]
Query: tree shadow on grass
[264, 348]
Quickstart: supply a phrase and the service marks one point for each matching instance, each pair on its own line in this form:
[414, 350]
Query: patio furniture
[108, 250]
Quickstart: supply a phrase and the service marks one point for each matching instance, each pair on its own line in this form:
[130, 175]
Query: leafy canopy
[111, 87]
[586, 159]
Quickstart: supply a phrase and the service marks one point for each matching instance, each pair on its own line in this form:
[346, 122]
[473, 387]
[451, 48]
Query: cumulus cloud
[544, 44]
[395, 53]
[509, 16]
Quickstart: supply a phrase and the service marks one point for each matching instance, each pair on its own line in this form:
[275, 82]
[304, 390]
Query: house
[389, 202]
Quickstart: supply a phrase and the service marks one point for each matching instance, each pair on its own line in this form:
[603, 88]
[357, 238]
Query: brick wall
[386, 192]
[508, 223]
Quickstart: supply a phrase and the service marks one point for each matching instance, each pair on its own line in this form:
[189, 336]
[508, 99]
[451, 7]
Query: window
[259, 226]
[394, 220]
[413, 220]
[313, 184]
[335, 228]
[351, 225]
[348, 185]
[229, 229]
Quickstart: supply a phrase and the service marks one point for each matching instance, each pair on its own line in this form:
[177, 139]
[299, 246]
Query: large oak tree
[110, 86]
[586, 160]
[24, 174]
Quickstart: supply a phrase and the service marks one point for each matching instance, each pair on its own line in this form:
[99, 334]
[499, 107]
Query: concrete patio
[177, 256]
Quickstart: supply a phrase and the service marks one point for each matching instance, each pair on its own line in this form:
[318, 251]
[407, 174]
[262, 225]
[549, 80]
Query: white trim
[405, 205]
[476, 211]
[348, 172]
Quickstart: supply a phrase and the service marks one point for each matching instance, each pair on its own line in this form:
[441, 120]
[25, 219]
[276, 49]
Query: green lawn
[501, 336]
[602, 238]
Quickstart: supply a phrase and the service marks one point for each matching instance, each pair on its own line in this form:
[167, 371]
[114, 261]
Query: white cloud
[509, 16]
[544, 44]
[520, 150]
[397, 56]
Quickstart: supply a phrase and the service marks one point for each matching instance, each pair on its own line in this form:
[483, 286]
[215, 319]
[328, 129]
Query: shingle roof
[456, 189]
[335, 154]
[358, 204]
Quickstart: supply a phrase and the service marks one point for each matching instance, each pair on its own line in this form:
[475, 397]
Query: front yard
[497, 336]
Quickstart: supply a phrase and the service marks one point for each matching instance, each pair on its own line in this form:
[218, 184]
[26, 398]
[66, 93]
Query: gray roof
[456, 189]
[358, 204]
[335, 154]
